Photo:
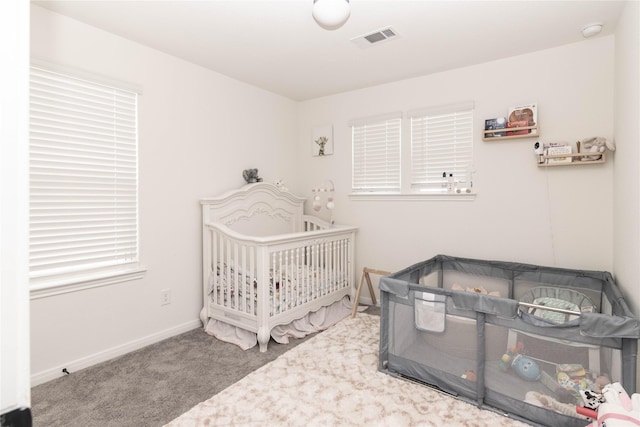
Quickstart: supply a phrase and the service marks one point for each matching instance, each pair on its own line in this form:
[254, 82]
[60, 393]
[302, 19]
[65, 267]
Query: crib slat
[290, 279]
[304, 273]
[332, 266]
[323, 268]
[298, 278]
[234, 280]
[312, 261]
[322, 271]
[252, 287]
[276, 285]
[213, 265]
[242, 295]
[342, 264]
[284, 284]
[227, 260]
[222, 270]
[307, 270]
[282, 290]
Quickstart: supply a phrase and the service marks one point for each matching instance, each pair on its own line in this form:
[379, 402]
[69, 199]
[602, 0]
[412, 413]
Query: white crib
[266, 264]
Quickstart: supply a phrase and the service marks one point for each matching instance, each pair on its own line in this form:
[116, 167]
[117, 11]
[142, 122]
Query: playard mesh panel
[458, 324]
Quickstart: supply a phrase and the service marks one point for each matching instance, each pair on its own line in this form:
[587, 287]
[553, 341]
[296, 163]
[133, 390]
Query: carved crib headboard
[259, 209]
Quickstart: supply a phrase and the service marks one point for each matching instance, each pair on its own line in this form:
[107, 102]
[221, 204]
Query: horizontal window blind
[83, 167]
[376, 155]
[441, 142]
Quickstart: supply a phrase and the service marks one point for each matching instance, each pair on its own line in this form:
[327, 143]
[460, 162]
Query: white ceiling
[276, 44]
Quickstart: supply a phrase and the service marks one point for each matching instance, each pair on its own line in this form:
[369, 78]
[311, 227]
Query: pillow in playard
[557, 298]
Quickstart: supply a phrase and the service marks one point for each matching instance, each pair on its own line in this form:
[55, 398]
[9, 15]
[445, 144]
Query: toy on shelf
[587, 151]
[525, 367]
[594, 145]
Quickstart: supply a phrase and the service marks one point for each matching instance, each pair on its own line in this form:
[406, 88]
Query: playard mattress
[518, 338]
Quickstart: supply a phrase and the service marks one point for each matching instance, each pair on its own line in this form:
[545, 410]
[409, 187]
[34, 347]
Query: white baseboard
[103, 356]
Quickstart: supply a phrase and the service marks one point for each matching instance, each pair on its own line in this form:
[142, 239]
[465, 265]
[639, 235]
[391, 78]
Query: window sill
[413, 196]
[82, 283]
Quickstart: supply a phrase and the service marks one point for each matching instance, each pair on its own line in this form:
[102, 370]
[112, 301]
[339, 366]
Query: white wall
[626, 251]
[626, 237]
[559, 216]
[195, 141]
[14, 131]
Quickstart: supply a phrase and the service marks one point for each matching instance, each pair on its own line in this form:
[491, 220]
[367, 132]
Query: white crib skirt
[312, 322]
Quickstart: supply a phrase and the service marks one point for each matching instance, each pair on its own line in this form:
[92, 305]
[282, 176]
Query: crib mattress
[288, 288]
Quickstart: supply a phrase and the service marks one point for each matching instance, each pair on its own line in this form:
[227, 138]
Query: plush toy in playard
[591, 399]
[619, 409]
[251, 176]
[524, 367]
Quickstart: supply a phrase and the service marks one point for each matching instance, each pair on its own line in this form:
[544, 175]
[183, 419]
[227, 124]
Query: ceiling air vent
[376, 37]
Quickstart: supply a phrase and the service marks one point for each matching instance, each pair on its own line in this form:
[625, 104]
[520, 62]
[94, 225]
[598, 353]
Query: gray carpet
[150, 386]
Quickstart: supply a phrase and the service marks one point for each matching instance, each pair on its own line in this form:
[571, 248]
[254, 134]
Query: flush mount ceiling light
[331, 14]
[592, 29]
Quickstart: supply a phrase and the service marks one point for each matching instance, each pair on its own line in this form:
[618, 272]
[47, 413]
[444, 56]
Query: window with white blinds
[83, 167]
[441, 142]
[376, 154]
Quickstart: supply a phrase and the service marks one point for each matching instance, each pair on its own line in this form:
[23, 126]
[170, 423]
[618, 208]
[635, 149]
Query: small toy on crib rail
[524, 367]
[280, 184]
[251, 176]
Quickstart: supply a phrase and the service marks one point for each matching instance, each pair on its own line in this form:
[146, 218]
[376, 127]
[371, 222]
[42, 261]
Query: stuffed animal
[619, 409]
[601, 382]
[524, 367]
[251, 176]
[591, 399]
[549, 403]
[595, 145]
[280, 184]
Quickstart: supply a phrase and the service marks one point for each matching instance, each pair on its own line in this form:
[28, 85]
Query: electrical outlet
[165, 297]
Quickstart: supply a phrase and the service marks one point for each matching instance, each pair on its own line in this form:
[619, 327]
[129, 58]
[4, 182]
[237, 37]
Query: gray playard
[518, 338]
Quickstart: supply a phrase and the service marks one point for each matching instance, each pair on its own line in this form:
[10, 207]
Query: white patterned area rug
[332, 380]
